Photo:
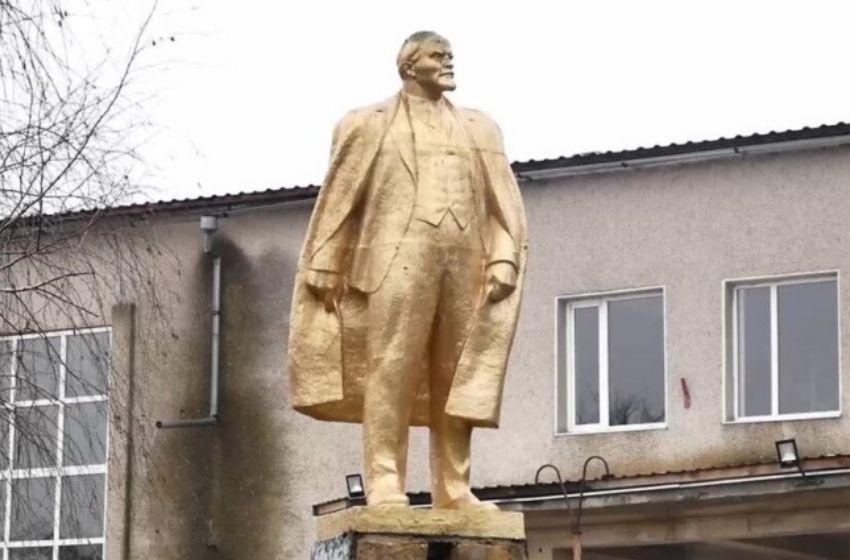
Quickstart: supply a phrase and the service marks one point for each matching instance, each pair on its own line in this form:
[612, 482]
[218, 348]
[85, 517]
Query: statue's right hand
[325, 286]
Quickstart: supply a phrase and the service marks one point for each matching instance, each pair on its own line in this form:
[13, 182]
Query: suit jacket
[360, 217]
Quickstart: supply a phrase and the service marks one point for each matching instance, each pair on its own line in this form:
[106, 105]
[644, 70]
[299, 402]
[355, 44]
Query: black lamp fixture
[786, 451]
[789, 457]
[354, 482]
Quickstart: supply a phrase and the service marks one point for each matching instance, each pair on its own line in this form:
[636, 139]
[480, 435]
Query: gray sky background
[247, 95]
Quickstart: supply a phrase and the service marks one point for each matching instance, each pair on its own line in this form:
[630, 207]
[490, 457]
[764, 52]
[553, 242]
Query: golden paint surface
[409, 284]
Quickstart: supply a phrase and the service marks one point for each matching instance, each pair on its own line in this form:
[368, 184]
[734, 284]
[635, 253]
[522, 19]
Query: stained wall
[244, 488]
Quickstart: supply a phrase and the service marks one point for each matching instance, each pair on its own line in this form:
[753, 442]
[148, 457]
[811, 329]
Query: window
[611, 373]
[53, 434]
[784, 349]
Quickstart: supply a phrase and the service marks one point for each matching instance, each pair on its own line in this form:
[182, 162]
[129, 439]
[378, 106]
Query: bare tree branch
[66, 151]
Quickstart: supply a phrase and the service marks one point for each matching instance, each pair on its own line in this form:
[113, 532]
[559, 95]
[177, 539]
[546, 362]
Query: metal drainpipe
[208, 226]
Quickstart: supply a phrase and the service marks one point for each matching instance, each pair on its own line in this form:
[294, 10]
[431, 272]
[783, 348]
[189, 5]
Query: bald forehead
[422, 36]
[436, 43]
[419, 41]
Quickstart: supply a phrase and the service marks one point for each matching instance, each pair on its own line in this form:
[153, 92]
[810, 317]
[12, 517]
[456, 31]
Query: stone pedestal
[419, 534]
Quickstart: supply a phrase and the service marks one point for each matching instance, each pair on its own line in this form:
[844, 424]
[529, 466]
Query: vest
[444, 164]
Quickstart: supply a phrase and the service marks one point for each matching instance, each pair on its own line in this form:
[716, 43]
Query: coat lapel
[401, 133]
[461, 119]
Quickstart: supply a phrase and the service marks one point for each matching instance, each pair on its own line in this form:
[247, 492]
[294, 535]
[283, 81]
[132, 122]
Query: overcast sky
[246, 96]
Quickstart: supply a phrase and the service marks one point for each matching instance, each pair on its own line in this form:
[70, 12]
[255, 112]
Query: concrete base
[413, 534]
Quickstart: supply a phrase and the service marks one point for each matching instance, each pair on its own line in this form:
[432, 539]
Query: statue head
[425, 64]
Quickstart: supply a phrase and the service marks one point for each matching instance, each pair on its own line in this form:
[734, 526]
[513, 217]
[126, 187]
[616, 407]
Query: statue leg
[451, 437]
[451, 440]
[400, 314]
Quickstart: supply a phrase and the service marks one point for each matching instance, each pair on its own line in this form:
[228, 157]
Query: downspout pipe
[209, 225]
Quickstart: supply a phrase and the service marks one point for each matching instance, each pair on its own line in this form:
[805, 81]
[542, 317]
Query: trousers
[420, 316]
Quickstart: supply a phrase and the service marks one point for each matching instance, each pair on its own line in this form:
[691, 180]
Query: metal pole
[216, 335]
[576, 523]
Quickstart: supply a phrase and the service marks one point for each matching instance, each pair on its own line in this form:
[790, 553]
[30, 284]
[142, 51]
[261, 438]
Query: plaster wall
[243, 489]
[686, 228]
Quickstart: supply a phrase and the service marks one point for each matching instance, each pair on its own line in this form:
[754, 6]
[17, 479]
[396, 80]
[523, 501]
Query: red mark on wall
[686, 393]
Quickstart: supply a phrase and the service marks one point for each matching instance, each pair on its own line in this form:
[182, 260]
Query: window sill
[603, 430]
[785, 418]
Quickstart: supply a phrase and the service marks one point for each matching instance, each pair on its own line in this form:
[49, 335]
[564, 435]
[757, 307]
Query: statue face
[434, 69]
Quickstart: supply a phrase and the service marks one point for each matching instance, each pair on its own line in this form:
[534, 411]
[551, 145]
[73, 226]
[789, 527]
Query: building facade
[685, 309]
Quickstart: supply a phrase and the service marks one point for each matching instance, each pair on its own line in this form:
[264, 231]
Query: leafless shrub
[66, 152]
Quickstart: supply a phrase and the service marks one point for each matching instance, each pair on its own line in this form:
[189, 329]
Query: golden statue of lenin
[409, 284]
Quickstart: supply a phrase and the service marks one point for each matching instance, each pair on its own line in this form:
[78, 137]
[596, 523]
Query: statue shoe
[468, 502]
[387, 500]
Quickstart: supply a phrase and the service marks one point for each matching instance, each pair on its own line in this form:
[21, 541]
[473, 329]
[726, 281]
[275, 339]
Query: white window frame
[565, 367]
[10, 473]
[731, 290]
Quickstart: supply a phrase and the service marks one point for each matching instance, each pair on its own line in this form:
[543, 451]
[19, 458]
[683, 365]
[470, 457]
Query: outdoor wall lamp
[575, 528]
[789, 456]
[354, 482]
[786, 450]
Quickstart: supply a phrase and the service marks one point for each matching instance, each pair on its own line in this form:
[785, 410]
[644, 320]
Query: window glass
[754, 394]
[6, 350]
[616, 365]
[32, 509]
[5, 425]
[88, 552]
[57, 372]
[38, 368]
[3, 503]
[587, 365]
[787, 348]
[87, 364]
[35, 436]
[636, 361]
[40, 553]
[81, 513]
[808, 348]
[85, 433]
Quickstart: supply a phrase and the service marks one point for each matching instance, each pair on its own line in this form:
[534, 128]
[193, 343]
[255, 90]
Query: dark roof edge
[818, 466]
[803, 137]
[219, 204]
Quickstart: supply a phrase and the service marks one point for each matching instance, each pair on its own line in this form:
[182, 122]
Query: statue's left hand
[501, 280]
[325, 286]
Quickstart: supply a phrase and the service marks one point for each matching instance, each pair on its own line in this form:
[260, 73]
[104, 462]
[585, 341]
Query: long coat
[366, 202]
